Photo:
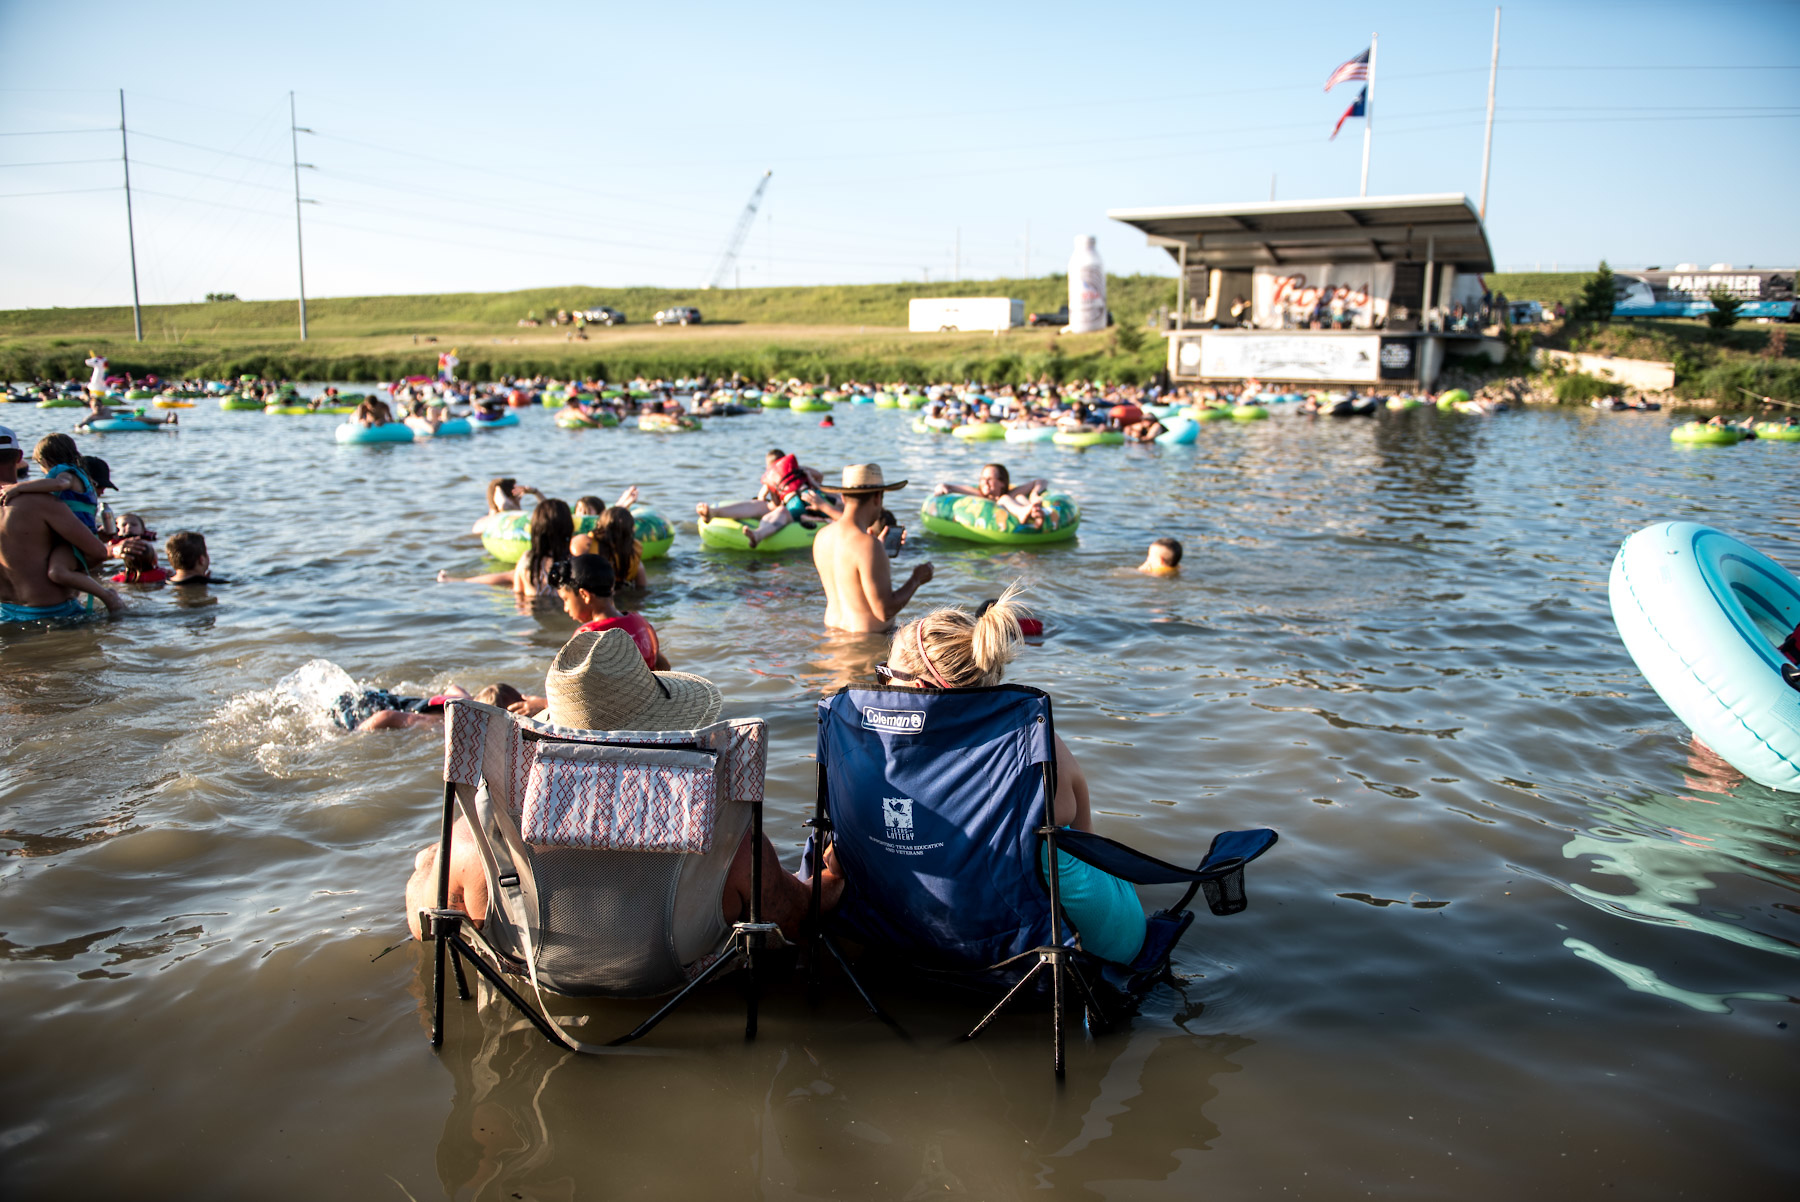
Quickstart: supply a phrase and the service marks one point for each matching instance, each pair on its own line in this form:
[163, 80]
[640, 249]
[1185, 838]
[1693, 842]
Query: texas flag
[1357, 109]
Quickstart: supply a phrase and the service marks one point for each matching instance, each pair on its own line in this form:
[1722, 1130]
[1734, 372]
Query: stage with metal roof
[1441, 227]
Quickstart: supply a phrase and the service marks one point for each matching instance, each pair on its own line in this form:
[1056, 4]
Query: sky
[481, 147]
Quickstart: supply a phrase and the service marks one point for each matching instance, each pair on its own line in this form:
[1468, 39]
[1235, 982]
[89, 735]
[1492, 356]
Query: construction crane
[722, 271]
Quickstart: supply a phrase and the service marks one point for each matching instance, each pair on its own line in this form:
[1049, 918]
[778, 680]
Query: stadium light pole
[137, 313]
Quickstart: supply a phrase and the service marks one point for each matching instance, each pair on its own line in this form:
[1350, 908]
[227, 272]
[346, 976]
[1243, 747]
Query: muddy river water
[1514, 942]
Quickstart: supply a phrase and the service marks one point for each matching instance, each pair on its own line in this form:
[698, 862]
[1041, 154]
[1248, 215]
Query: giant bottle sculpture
[1087, 288]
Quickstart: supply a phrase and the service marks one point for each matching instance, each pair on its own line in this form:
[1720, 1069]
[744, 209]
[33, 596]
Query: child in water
[378, 709]
[66, 480]
[140, 564]
[586, 584]
[187, 555]
[1163, 558]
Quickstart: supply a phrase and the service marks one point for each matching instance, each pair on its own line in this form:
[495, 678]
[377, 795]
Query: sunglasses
[888, 675]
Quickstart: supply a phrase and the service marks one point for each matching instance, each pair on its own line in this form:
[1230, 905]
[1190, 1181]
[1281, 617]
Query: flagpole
[1487, 141]
[1368, 116]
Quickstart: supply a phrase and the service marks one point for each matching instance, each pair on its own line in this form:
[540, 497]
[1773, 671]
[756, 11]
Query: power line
[56, 163]
[61, 191]
[45, 133]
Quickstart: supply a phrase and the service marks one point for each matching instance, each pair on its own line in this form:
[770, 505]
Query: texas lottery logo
[896, 812]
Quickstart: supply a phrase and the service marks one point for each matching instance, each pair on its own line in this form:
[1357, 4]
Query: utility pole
[137, 313]
[956, 262]
[1028, 250]
[1487, 141]
[299, 241]
[1368, 116]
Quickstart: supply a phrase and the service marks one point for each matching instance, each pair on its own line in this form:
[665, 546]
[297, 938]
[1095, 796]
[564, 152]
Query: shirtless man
[30, 528]
[860, 597]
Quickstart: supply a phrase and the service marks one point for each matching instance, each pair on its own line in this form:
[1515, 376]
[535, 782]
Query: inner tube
[1088, 438]
[456, 427]
[290, 410]
[167, 403]
[1249, 413]
[67, 402]
[886, 400]
[482, 422]
[730, 534]
[1777, 432]
[1453, 398]
[575, 419]
[1702, 615]
[980, 520]
[507, 536]
[1400, 404]
[119, 425]
[774, 400]
[980, 431]
[810, 404]
[350, 432]
[1179, 431]
[933, 425]
[1207, 413]
[910, 400]
[238, 402]
[1701, 434]
[140, 394]
[664, 423]
[1030, 433]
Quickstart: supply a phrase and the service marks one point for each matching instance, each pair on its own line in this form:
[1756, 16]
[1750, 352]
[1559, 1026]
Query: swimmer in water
[1163, 558]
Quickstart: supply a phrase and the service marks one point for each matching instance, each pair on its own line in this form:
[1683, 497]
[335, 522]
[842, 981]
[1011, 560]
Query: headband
[919, 645]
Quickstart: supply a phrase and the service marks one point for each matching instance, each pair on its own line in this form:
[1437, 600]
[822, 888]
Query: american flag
[1356, 68]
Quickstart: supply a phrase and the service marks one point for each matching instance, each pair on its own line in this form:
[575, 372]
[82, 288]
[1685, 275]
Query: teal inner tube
[1702, 615]
[350, 433]
[456, 427]
[1030, 433]
[1701, 434]
[508, 418]
[507, 536]
[1179, 431]
[120, 425]
[729, 534]
[979, 520]
[1088, 438]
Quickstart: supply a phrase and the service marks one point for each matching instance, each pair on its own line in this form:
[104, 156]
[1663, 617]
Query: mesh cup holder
[1225, 894]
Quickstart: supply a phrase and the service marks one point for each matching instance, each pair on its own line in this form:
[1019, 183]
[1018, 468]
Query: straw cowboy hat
[865, 477]
[600, 682]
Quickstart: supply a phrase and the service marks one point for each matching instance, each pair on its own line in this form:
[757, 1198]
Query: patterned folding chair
[938, 806]
[602, 851]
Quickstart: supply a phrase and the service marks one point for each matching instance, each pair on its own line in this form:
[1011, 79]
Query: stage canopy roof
[1369, 229]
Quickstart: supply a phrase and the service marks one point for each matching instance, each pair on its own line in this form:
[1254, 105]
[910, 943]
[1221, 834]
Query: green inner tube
[507, 536]
[911, 400]
[771, 400]
[286, 409]
[240, 403]
[1089, 438]
[1699, 433]
[1777, 432]
[919, 425]
[1454, 397]
[884, 400]
[1249, 413]
[62, 402]
[810, 405]
[1207, 413]
[980, 520]
[729, 534]
[980, 431]
[662, 423]
[575, 419]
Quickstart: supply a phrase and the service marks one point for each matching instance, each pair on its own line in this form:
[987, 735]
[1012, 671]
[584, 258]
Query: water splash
[282, 727]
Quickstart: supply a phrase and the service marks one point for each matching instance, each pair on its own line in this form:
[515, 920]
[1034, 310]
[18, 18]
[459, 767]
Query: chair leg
[437, 992]
[988, 1018]
[1057, 969]
[844, 963]
[462, 982]
[1089, 1000]
[728, 959]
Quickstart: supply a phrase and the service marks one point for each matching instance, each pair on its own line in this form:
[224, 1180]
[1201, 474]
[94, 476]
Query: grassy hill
[848, 330]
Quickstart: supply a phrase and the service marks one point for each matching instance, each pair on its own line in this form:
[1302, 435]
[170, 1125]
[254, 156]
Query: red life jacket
[784, 477]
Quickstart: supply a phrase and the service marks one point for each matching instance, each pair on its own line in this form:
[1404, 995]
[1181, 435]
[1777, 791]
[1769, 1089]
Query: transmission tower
[722, 271]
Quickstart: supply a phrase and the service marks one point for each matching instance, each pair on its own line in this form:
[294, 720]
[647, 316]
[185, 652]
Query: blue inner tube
[1179, 431]
[119, 425]
[1702, 614]
[350, 432]
[495, 423]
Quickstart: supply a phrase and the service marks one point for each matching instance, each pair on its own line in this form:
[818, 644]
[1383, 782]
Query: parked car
[680, 315]
[1526, 313]
[604, 315]
[1058, 318]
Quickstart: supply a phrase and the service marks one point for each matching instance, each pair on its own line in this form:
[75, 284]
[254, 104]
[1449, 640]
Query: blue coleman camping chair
[937, 804]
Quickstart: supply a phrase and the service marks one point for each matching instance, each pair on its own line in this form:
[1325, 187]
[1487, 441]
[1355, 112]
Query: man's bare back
[30, 527]
[853, 566]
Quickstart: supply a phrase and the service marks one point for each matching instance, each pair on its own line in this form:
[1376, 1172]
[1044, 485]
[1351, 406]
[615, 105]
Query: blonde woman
[952, 649]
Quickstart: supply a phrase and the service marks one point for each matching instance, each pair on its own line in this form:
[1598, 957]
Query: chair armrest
[1220, 874]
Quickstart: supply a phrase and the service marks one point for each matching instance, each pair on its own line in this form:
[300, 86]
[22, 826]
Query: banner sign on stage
[1688, 293]
[1348, 359]
[1327, 296]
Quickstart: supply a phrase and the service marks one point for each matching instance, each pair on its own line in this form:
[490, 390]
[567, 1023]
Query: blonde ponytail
[950, 648]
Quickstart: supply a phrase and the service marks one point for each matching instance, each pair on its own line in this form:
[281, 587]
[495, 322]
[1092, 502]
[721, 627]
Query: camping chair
[596, 845]
[937, 804]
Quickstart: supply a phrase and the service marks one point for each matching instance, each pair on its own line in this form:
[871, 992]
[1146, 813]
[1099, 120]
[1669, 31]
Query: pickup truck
[1058, 318]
